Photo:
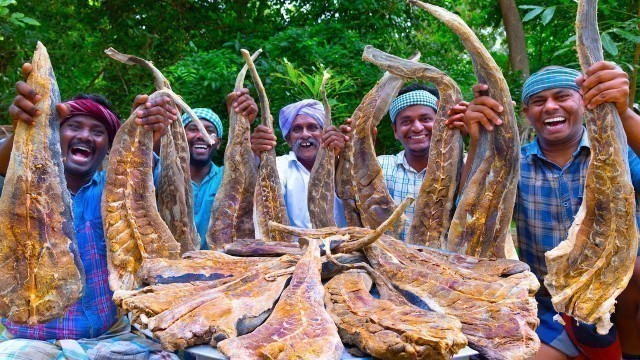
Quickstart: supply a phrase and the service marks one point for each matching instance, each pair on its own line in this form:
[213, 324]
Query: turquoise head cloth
[205, 114]
[416, 97]
[552, 77]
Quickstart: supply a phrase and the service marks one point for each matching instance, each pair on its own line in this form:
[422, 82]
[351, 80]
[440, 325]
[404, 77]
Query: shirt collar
[402, 161]
[533, 148]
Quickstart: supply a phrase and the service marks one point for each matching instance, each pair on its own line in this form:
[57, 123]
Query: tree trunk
[515, 37]
[634, 76]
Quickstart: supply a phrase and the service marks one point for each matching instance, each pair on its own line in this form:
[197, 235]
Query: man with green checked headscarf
[205, 175]
[412, 114]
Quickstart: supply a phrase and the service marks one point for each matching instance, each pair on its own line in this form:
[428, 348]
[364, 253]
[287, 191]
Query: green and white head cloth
[550, 77]
[416, 97]
[204, 114]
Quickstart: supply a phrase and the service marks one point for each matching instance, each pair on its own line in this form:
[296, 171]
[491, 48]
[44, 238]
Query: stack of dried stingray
[232, 210]
[588, 270]
[175, 200]
[133, 228]
[41, 270]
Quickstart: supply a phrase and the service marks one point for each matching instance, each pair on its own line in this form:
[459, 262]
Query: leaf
[627, 35]
[3, 11]
[5, 3]
[529, 7]
[30, 21]
[17, 15]
[572, 39]
[560, 52]
[531, 14]
[547, 15]
[16, 22]
[609, 45]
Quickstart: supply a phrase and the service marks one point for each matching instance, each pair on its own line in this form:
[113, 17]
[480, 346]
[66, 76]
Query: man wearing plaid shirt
[550, 191]
[90, 328]
[412, 114]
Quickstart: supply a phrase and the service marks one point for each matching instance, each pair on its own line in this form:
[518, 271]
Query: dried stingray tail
[481, 223]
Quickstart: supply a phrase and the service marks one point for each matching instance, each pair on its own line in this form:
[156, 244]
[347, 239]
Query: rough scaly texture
[434, 206]
[299, 326]
[268, 199]
[232, 210]
[480, 225]
[493, 299]
[41, 270]
[588, 270]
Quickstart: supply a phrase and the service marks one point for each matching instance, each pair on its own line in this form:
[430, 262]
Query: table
[206, 352]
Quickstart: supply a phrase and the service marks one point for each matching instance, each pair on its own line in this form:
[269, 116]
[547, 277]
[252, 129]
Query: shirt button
[565, 204]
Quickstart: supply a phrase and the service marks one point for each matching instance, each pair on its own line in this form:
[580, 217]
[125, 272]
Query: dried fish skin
[42, 274]
[587, 271]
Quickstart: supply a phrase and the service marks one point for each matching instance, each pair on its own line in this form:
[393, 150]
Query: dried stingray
[232, 211]
[360, 181]
[299, 326]
[42, 274]
[480, 225]
[389, 327]
[434, 206]
[589, 269]
[133, 228]
[321, 191]
[175, 198]
[268, 200]
[493, 299]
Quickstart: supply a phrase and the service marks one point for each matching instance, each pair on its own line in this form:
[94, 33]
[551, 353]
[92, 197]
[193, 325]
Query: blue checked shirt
[402, 180]
[203, 195]
[548, 199]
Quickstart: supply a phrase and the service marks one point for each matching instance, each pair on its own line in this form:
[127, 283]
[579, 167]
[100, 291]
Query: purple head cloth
[308, 107]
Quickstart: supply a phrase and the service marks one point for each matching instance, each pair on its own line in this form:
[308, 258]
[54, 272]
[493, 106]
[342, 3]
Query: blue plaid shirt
[402, 180]
[94, 313]
[548, 199]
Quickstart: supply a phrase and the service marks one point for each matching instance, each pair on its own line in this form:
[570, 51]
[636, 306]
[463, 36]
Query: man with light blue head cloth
[551, 187]
[205, 175]
[302, 126]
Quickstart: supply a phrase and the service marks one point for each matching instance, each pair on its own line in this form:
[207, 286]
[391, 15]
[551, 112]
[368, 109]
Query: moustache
[297, 144]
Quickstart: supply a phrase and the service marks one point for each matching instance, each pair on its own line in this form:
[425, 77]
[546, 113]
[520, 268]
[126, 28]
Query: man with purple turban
[302, 126]
[91, 328]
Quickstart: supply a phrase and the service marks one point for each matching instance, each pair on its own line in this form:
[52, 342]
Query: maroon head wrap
[95, 110]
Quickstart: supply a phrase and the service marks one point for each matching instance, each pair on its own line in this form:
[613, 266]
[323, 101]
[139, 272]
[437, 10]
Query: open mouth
[307, 144]
[201, 148]
[555, 122]
[81, 153]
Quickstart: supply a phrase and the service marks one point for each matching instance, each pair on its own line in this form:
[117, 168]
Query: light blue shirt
[203, 195]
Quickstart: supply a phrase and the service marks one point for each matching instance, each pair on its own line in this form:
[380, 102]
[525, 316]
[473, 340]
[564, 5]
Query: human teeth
[555, 119]
[81, 148]
[417, 137]
[200, 146]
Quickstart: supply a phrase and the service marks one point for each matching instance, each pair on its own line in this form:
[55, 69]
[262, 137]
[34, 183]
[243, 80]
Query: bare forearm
[631, 124]
[5, 154]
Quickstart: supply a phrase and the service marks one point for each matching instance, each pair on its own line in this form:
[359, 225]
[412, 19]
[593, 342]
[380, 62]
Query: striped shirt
[94, 313]
[402, 180]
[548, 199]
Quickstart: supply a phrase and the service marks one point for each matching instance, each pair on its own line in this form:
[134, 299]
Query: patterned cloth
[96, 111]
[205, 114]
[294, 180]
[551, 77]
[94, 313]
[308, 107]
[416, 97]
[118, 343]
[203, 195]
[402, 180]
[548, 199]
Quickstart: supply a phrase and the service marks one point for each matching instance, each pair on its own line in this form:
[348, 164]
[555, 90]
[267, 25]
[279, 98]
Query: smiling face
[84, 142]
[200, 151]
[556, 115]
[304, 138]
[413, 127]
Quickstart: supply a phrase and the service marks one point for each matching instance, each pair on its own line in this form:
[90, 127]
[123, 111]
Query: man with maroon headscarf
[91, 327]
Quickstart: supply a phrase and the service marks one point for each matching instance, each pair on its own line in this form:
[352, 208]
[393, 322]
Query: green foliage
[196, 44]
